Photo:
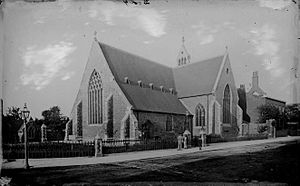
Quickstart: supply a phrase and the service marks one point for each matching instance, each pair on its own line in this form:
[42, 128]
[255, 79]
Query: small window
[171, 90]
[227, 70]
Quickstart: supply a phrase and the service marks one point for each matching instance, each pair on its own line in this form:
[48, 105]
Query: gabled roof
[135, 68]
[197, 78]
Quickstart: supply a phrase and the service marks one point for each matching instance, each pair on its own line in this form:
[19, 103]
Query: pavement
[129, 156]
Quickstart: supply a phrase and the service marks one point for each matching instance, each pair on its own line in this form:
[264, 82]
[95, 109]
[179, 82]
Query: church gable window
[226, 105]
[200, 115]
[95, 108]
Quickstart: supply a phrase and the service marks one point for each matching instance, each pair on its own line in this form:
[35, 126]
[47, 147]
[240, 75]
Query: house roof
[135, 68]
[197, 78]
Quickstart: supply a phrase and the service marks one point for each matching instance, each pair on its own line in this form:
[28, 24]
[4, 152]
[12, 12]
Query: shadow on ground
[272, 165]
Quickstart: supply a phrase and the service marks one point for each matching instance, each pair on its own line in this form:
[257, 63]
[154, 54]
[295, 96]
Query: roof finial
[95, 35]
[182, 39]
[226, 48]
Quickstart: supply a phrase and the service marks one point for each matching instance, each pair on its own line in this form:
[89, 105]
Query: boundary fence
[49, 150]
[117, 146]
[65, 149]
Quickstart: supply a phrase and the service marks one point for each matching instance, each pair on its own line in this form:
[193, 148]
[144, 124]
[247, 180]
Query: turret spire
[183, 57]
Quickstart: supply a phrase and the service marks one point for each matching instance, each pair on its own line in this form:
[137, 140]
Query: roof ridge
[148, 60]
[202, 61]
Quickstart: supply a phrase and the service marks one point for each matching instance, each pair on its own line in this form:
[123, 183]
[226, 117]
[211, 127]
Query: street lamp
[25, 115]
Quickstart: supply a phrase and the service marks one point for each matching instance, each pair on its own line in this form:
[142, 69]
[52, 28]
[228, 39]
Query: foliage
[267, 112]
[293, 112]
[262, 129]
[55, 123]
[168, 136]
[12, 121]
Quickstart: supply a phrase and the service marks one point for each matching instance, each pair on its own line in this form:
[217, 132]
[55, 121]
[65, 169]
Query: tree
[55, 123]
[267, 112]
[293, 112]
[12, 121]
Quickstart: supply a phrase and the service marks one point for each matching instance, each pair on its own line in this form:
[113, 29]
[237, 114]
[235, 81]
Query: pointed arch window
[95, 108]
[200, 115]
[127, 128]
[226, 105]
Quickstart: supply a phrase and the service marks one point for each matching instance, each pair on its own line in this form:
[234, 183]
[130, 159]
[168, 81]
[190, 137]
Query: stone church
[125, 96]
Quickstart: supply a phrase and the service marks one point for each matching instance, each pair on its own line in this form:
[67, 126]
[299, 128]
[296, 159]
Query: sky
[46, 45]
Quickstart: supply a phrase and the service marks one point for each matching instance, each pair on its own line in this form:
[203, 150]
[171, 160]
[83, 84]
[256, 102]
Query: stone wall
[159, 122]
[251, 128]
[191, 104]
[227, 78]
[252, 103]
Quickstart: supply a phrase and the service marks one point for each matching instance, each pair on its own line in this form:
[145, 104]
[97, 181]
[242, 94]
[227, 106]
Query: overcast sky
[47, 44]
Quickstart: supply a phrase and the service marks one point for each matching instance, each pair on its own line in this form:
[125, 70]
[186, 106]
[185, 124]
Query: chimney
[255, 89]
[242, 87]
[255, 80]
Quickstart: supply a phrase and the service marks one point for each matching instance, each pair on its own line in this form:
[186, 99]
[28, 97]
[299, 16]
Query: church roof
[197, 78]
[134, 68]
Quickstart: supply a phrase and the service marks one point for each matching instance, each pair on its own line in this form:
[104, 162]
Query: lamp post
[25, 115]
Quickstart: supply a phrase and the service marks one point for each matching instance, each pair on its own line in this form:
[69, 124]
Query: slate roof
[197, 78]
[135, 68]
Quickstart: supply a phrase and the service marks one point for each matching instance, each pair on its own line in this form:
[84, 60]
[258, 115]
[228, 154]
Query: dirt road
[272, 162]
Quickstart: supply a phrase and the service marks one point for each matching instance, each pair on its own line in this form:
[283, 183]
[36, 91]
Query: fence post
[43, 133]
[98, 146]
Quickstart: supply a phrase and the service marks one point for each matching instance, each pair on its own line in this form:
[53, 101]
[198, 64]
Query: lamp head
[25, 112]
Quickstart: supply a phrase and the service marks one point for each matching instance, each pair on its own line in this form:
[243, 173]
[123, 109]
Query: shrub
[262, 129]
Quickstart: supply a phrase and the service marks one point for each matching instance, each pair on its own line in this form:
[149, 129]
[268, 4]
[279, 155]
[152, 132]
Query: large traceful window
[200, 115]
[95, 106]
[226, 105]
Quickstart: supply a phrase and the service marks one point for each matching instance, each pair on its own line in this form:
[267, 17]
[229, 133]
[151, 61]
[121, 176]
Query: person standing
[185, 141]
[200, 142]
[179, 140]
